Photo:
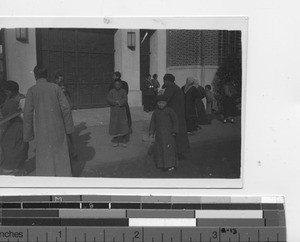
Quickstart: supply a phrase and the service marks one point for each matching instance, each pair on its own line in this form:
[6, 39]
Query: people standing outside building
[229, 102]
[209, 103]
[191, 94]
[14, 151]
[59, 80]
[156, 83]
[124, 85]
[118, 124]
[164, 127]
[47, 105]
[175, 100]
[149, 93]
[200, 108]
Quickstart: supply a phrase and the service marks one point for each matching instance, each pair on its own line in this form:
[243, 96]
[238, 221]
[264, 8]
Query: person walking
[175, 100]
[229, 102]
[48, 108]
[14, 151]
[210, 99]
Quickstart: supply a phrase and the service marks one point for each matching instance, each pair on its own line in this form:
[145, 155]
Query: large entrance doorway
[86, 59]
[145, 36]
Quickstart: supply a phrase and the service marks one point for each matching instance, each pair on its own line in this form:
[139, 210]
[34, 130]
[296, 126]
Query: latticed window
[201, 47]
[229, 44]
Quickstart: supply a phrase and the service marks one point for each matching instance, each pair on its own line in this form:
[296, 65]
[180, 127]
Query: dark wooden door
[86, 59]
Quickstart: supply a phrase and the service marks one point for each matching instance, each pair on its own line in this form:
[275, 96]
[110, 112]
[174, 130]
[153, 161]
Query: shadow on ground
[221, 159]
[84, 151]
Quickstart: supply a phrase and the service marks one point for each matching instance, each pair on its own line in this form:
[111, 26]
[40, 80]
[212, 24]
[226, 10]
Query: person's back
[46, 103]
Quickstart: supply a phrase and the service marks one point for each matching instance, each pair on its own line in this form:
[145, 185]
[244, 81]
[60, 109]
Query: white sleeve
[21, 106]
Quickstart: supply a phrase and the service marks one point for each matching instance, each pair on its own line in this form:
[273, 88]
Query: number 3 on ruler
[214, 234]
[59, 234]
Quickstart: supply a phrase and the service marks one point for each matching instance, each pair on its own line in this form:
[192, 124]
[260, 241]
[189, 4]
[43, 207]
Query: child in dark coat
[164, 126]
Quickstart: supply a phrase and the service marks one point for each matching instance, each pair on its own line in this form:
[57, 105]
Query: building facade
[88, 57]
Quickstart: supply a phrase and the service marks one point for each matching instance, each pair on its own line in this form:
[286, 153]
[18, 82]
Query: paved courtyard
[215, 149]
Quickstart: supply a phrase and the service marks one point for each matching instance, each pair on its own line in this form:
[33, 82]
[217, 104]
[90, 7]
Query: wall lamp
[22, 35]
[131, 40]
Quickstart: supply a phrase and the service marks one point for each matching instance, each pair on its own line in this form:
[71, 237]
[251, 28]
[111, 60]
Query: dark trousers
[149, 102]
[229, 107]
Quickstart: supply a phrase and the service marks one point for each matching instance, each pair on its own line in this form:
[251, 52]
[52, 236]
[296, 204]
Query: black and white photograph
[143, 103]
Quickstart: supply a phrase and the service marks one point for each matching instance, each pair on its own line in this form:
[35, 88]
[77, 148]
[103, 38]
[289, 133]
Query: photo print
[155, 104]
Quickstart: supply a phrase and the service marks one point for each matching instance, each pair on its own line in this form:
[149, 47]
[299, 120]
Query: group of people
[48, 107]
[195, 112]
[150, 88]
[179, 112]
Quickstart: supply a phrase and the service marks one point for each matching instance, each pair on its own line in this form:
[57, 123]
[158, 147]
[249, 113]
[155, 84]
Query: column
[127, 62]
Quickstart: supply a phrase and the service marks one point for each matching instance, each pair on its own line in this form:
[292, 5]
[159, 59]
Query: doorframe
[2, 33]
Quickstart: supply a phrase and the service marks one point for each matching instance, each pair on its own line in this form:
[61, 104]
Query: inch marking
[46, 236]
[277, 237]
[239, 237]
[123, 237]
[85, 237]
[258, 236]
[162, 237]
[200, 237]
[66, 234]
[27, 235]
[181, 236]
[143, 231]
[104, 236]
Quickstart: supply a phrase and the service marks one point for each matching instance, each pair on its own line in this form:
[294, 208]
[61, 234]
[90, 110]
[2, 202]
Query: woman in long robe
[14, 149]
[191, 94]
[46, 103]
[118, 124]
[164, 125]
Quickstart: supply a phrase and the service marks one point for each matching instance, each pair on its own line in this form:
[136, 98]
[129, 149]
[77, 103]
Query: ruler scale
[141, 219]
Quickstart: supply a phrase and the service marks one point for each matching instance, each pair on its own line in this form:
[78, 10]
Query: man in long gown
[175, 100]
[117, 76]
[46, 103]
